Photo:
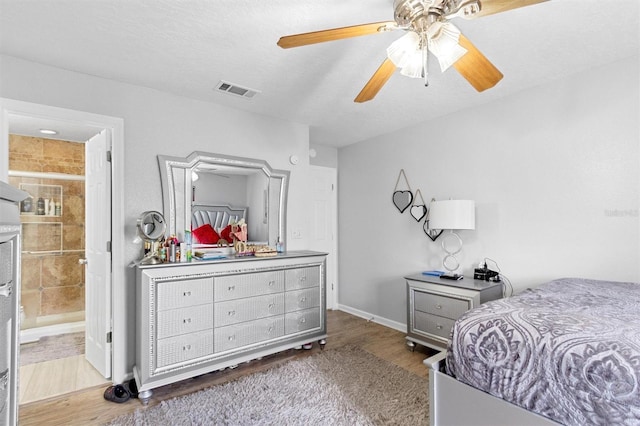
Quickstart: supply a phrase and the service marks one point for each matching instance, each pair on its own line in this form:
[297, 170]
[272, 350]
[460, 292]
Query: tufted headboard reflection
[217, 215]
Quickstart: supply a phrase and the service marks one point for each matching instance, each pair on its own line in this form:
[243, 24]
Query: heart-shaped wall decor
[418, 211]
[431, 233]
[402, 200]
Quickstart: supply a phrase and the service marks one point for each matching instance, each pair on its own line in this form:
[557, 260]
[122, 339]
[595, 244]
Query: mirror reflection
[151, 228]
[217, 190]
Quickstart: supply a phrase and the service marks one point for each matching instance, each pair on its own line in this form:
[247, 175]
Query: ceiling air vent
[234, 89]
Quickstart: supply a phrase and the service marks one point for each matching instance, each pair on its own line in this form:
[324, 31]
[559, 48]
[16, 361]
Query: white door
[324, 224]
[98, 253]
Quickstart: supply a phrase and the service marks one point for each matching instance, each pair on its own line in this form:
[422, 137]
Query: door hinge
[109, 156]
[109, 337]
[108, 246]
[331, 286]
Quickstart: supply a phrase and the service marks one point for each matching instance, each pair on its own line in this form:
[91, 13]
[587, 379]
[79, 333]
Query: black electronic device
[486, 274]
[451, 276]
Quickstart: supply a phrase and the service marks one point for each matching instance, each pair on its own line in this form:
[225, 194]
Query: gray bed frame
[452, 403]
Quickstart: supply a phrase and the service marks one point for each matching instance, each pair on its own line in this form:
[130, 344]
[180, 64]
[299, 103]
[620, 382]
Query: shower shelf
[50, 193]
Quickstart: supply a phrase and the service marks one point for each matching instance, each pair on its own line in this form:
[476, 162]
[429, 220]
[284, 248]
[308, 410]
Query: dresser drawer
[241, 310]
[302, 320]
[302, 299]
[231, 287]
[247, 333]
[180, 294]
[433, 324]
[448, 307]
[302, 278]
[184, 348]
[184, 320]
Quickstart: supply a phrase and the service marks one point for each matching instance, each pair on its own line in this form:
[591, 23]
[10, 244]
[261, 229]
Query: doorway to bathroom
[52, 295]
[66, 244]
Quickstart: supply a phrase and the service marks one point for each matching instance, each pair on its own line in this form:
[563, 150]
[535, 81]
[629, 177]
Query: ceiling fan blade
[297, 40]
[491, 7]
[476, 68]
[377, 80]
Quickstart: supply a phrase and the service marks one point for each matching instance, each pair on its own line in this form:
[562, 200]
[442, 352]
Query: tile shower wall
[52, 278]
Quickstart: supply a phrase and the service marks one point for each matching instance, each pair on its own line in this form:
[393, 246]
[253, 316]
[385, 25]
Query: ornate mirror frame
[176, 178]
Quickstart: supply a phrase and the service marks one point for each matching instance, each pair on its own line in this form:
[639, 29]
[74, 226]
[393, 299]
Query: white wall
[159, 123]
[553, 171]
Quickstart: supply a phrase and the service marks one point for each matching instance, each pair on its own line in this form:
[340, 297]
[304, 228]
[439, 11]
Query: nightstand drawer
[433, 324]
[443, 306]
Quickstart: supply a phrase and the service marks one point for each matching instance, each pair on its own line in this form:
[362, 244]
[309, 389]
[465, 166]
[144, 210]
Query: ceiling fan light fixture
[444, 40]
[407, 54]
[401, 51]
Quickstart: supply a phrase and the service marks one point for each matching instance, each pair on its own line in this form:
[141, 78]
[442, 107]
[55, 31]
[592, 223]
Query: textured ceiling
[187, 47]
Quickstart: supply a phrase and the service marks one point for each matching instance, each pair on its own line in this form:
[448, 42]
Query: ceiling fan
[428, 31]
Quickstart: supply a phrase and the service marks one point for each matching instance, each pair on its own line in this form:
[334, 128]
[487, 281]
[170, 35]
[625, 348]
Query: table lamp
[452, 215]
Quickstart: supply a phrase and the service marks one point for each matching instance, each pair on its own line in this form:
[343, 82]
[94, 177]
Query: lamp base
[452, 245]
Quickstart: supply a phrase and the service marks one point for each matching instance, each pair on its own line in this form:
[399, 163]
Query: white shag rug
[344, 386]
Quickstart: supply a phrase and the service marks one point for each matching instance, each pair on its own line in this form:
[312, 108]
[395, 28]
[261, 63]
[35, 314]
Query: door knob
[82, 261]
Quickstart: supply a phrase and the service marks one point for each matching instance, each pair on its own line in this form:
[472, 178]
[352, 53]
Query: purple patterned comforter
[568, 350]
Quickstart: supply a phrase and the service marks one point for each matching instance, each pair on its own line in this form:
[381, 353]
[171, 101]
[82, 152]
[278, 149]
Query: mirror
[151, 228]
[219, 189]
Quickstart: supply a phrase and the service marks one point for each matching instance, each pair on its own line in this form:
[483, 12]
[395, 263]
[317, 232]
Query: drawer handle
[270, 329]
[438, 306]
[439, 326]
[271, 305]
[272, 283]
[231, 288]
[187, 321]
[303, 278]
[232, 313]
[232, 338]
[186, 348]
[303, 320]
[186, 293]
[303, 299]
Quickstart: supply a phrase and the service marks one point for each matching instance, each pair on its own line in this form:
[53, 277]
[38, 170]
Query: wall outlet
[296, 234]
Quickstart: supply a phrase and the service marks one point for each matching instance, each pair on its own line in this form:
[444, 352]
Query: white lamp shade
[452, 214]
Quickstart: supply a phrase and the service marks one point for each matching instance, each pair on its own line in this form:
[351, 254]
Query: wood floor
[47, 379]
[88, 407]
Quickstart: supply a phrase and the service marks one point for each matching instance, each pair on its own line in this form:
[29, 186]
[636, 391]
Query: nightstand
[434, 304]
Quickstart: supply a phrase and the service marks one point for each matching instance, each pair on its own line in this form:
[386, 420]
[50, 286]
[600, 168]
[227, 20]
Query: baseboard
[34, 334]
[374, 318]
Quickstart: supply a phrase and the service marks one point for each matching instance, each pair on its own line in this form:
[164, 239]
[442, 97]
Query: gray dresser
[204, 316]
[434, 304]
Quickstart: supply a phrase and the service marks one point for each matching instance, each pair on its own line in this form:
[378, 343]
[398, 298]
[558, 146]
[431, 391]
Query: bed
[567, 352]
